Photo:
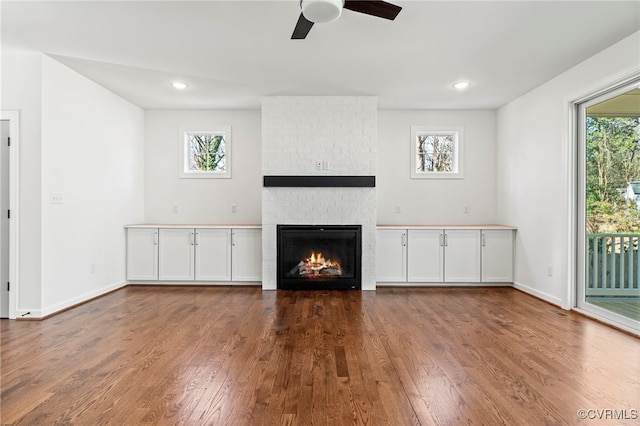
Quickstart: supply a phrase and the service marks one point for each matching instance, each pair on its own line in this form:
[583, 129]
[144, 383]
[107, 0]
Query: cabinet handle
[197, 238]
[193, 238]
[441, 240]
[483, 240]
[233, 239]
[446, 240]
[404, 239]
[155, 238]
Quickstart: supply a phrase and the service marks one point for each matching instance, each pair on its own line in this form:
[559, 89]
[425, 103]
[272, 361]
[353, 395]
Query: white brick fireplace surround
[336, 133]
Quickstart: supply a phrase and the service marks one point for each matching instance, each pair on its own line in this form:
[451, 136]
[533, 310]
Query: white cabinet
[176, 254]
[183, 254]
[431, 255]
[497, 255]
[391, 248]
[213, 254]
[246, 249]
[443, 255]
[462, 255]
[425, 255]
[142, 253]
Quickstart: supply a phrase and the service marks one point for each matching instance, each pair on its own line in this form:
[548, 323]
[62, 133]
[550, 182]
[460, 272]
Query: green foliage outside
[207, 153]
[613, 160]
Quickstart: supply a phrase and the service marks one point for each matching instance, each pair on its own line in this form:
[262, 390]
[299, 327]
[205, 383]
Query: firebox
[319, 257]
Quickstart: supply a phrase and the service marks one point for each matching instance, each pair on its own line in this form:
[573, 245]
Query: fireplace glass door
[319, 257]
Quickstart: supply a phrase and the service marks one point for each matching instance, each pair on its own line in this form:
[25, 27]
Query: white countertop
[237, 226]
[192, 225]
[492, 226]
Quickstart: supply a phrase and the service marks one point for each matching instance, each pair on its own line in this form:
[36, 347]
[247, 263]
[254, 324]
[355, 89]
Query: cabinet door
[213, 254]
[391, 251]
[246, 255]
[142, 254]
[462, 256]
[176, 254]
[425, 253]
[497, 255]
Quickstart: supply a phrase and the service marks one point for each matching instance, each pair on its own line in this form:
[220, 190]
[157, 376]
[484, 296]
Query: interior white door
[4, 221]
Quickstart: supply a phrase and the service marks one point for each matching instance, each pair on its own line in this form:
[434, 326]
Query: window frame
[458, 151]
[183, 148]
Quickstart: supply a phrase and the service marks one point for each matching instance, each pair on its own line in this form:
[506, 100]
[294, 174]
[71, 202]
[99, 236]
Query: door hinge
[9, 141]
[8, 286]
[8, 214]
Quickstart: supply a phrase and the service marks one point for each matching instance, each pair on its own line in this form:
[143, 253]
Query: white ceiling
[231, 53]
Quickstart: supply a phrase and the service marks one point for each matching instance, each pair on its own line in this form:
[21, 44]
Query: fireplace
[319, 257]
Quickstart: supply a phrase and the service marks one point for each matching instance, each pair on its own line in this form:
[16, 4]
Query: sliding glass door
[609, 206]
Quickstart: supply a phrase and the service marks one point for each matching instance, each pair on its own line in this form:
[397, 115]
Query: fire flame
[316, 259]
[317, 262]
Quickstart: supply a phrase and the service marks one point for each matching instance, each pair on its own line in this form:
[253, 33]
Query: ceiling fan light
[321, 11]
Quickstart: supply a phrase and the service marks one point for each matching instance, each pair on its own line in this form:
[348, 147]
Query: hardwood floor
[241, 356]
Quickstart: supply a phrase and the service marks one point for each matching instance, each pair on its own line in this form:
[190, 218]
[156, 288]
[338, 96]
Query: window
[206, 153]
[436, 153]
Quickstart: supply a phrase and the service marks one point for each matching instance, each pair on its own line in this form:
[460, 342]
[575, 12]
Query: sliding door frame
[576, 184]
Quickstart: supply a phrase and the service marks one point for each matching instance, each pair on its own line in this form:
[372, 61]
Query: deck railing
[613, 265]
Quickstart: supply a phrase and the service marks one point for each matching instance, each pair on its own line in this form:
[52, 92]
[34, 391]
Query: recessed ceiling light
[462, 85]
[178, 85]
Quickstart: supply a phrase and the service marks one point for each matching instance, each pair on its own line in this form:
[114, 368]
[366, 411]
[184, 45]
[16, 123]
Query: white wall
[202, 200]
[533, 160]
[436, 201]
[92, 154]
[21, 91]
[421, 201]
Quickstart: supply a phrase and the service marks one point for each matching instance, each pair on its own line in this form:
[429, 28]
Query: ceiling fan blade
[378, 8]
[302, 28]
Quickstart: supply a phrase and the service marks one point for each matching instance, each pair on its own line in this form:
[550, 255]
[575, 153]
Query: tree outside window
[436, 153]
[613, 174]
[205, 154]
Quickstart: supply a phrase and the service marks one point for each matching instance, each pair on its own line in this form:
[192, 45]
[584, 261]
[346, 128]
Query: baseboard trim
[539, 294]
[37, 315]
[443, 285]
[28, 315]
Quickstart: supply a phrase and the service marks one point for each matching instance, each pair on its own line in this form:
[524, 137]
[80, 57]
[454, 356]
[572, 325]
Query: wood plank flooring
[241, 356]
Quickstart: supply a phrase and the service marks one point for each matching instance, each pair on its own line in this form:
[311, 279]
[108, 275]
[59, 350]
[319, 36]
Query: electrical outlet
[398, 209]
[174, 208]
[234, 208]
[325, 165]
[467, 209]
[318, 165]
[550, 270]
[56, 198]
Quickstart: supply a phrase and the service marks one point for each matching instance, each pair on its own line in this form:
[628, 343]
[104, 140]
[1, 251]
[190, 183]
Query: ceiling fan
[322, 11]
